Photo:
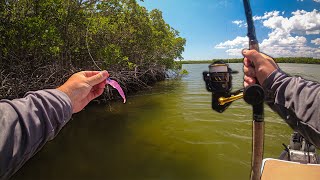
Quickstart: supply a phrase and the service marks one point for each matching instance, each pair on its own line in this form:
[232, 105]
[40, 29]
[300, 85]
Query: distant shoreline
[299, 60]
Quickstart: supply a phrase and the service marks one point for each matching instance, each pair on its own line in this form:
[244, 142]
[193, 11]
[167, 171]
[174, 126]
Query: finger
[243, 51]
[250, 53]
[249, 80]
[246, 62]
[99, 86]
[245, 84]
[102, 85]
[98, 92]
[249, 71]
[94, 94]
[90, 73]
[254, 56]
[98, 78]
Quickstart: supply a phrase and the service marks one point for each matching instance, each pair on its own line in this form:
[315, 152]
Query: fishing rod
[258, 111]
[218, 80]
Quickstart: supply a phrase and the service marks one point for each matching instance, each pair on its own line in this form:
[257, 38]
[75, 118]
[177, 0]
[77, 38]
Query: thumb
[254, 57]
[98, 78]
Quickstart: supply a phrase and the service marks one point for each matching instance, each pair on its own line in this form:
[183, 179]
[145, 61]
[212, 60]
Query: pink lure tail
[116, 85]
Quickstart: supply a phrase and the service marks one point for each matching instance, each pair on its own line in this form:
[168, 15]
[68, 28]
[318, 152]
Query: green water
[170, 132]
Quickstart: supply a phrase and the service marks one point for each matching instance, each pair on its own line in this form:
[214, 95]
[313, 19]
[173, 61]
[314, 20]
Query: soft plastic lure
[116, 85]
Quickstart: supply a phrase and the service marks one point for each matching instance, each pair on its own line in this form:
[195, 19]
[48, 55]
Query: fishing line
[87, 44]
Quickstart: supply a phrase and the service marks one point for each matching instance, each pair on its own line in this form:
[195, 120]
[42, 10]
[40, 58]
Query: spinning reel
[218, 80]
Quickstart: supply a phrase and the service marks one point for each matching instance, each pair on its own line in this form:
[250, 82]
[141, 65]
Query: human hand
[263, 67]
[84, 86]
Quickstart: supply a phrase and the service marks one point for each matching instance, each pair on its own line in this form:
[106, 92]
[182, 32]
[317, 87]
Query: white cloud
[267, 15]
[305, 22]
[239, 23]
[223, 3]
[285, 45]
[301, 22]
[318, 1]
[316, 41]
[234, 52]
[287, 36]
[238, 41]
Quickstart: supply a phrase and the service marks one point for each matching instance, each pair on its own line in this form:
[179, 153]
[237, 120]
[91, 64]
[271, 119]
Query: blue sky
[217, 28]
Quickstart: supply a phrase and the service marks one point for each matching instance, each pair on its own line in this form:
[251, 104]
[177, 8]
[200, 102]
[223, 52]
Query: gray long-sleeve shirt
[26, 124]
[297, 101]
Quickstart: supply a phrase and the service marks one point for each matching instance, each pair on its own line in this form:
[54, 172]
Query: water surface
[170, 132]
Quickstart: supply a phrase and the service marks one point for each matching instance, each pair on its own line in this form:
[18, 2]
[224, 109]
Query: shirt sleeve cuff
[269, 85]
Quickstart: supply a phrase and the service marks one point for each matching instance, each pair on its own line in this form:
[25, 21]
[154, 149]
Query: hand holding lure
[116, 85]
